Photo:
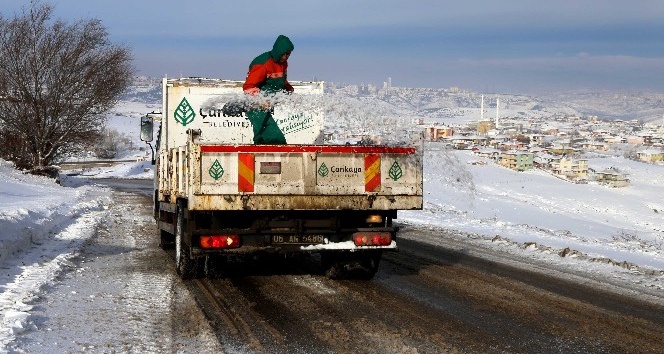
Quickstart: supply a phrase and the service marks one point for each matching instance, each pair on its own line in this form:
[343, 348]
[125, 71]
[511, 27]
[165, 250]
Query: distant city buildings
[556, 145]
[651, 155]
[516, 160]
[532, 137]
[612, 177]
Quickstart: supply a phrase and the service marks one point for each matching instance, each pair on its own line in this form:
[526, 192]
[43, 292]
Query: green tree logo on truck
[216, 171]
[184, 112]
[323, 171]
[395, 171]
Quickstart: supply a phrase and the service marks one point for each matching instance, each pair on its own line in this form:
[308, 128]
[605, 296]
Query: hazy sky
[486, 45]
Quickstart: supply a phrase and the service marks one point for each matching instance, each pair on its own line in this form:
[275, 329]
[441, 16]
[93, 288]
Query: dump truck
[218, 196]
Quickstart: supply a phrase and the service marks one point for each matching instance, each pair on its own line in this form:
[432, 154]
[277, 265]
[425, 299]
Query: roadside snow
[42, 225]
[127, 170]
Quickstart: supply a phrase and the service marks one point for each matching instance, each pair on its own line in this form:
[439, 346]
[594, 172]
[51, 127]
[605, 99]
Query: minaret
[482, 109]
[497, 110]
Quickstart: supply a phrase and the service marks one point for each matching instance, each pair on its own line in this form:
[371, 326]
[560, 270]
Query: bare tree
[56, 82]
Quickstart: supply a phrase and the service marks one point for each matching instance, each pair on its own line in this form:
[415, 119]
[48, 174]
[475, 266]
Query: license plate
[298, 239]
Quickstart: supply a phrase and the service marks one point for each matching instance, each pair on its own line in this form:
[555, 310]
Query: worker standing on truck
[267, 76]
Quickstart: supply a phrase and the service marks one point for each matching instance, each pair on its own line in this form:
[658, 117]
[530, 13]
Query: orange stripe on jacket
[258, 73]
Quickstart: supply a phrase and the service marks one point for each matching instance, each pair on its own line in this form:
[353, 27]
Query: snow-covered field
[614, 233]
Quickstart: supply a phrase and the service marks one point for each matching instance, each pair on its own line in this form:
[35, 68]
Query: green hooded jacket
[268, 75]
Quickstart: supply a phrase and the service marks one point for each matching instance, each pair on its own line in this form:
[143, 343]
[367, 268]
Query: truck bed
[293, 177]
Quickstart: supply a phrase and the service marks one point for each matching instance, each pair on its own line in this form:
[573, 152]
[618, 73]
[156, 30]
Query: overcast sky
[519, 46]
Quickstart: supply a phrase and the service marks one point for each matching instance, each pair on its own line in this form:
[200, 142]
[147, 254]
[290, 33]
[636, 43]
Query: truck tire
[185, 266]
[356, 265]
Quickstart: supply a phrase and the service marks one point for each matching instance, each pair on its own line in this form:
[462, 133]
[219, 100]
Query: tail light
[220, 241]
[372, 238]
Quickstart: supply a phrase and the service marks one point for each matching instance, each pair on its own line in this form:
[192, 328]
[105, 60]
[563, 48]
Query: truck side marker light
[372, 238]
[220, 241]
[374, 219]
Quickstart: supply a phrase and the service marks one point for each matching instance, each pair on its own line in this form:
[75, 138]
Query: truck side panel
[241, 177]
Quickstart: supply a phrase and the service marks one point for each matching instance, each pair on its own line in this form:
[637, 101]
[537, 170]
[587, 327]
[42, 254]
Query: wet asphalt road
[424, 299]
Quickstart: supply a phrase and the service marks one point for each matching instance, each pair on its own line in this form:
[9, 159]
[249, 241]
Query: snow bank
[42, 225]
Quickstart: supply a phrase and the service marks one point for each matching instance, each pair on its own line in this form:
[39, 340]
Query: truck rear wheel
[347, 265]
[185, 266]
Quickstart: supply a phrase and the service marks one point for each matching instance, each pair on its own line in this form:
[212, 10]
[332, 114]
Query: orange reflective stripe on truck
[371, 172]
[245, 172]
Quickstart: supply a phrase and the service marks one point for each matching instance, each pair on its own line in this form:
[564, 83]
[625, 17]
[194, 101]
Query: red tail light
[220, 241]
[372, 238]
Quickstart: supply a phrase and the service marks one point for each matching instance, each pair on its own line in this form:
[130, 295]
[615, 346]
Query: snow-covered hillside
[390, 113]
[454, 104]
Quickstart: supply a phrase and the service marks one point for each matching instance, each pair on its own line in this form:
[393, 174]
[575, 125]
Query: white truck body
[197, 104]
[212, 183]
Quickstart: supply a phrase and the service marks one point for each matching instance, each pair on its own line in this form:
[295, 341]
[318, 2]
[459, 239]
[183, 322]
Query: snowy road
[121, 295]
[426, 299]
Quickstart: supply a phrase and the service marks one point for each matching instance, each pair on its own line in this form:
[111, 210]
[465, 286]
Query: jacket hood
[282, 45]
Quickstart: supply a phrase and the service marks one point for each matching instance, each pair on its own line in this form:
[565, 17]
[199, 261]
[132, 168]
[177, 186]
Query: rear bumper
[347, 246]
[264, 244]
